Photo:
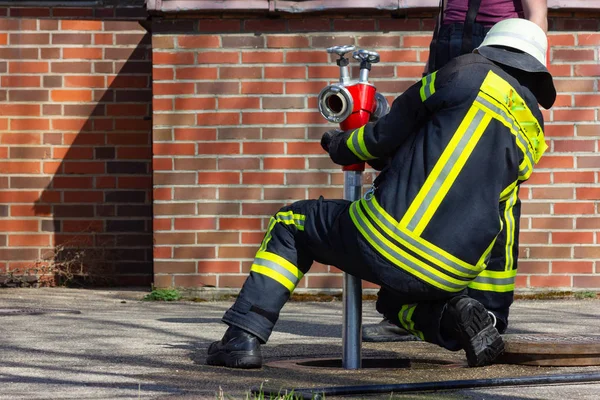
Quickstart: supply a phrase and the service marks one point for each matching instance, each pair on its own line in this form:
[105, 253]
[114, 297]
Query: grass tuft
[163, 295]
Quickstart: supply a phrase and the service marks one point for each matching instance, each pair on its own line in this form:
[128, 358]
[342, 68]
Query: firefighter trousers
[322, 231]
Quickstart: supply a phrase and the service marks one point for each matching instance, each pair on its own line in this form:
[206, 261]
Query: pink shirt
[490, 11]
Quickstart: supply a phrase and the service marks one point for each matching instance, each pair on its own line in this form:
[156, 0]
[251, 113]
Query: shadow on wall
[100, 197]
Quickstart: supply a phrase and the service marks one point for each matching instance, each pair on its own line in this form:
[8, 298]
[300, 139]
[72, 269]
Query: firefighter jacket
[459, 144]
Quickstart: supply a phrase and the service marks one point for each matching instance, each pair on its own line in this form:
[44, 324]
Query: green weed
[163, 295]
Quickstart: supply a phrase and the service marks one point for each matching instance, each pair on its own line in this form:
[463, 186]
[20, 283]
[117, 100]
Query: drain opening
[366, 363]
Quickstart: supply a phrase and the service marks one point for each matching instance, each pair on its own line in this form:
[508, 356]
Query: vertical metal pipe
[352, 296]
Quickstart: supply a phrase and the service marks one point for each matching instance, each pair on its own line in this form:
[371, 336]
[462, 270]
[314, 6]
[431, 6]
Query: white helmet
[520, 34]
[521, 44]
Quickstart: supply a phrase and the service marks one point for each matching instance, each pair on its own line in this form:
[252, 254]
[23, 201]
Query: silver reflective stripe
[456, 153]
[356, 144]
[440, 258]
[400, 258]
[291, 217]
[495, 281]
[510, 121]
[277, 268]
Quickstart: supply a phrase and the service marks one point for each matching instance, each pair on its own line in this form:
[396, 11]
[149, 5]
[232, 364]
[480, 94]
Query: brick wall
[236, 135]
[75, 179]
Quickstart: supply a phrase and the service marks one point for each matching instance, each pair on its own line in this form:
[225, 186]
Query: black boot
[474, 329]
[386, 331]
[237, 349]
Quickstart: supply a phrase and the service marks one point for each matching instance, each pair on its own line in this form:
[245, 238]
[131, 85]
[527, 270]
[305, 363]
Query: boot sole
[480, 339]
[236, 359]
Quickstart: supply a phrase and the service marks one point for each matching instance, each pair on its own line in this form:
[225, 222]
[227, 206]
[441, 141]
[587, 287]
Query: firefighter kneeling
[453, 151]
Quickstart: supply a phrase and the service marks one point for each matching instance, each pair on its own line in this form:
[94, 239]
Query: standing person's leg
[299, 234]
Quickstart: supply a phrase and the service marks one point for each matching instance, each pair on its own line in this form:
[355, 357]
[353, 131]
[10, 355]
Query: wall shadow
[100, 197]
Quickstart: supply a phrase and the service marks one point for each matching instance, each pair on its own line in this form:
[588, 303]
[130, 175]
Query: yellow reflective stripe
[405, 316]
[430, 246]
[267, 237]
[506, 193]
[356, 144]
[446, 170]
[277, 268]
[494, 108]
[401, 258]
[289, 218]
[495, 281]
[509, 219]
[504, 93]
[276, 276]
[418, 245]
[427, 86]
[280, 261]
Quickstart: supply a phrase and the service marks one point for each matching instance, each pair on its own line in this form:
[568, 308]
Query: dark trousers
[322, 230]
[449, 42]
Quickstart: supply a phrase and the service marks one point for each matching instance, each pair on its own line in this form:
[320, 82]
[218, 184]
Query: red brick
[534, 267]
[29, 240]
[587, 193]
[198, 41]
[262, 178]
[224, 57]
[586, 281]
[218, 178]
[21, 81]
[29, 38]
[19, 196]
[239, 163]
[194, 252]
[20, 167]
[559, 130]
[313, 87]
[572, 55]
[572, 237]
[195, 224]
[587, 70]
[175, 58]
[248, 193]
[574, 177]
[556, 162]
[285, 163]
[25, 67]
[196, 73]
[284, 193]
[195, 193]
[217, 237]
[550, 281]
[173, 88]
[194, 134]
[306, 57]
[239, 103]
[262, 87]
[104, 38]
[574, 208]
[295, 41]
[240, 224]
[162, 74]
[195, 103]
[262, 118]
[19, 225]
[218, 118]
[71, 95]
[304, 148]
[572, 267]
[86, 81]
[84, 53]
[262, 148]
[81, 25]
[587, 100]
[18, 110]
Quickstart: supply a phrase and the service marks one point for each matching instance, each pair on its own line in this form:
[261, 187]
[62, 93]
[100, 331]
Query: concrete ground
[119, 347]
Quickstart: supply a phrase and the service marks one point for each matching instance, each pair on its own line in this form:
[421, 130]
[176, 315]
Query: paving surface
[119, 347]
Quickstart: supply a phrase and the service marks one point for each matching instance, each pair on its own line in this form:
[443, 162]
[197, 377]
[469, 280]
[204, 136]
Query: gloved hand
[328, 137]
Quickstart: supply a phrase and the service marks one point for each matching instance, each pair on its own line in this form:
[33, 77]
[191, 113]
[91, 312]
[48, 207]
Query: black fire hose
[320, 393]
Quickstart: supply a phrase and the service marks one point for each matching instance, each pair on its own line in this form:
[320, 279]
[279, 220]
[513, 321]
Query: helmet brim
[543, 90]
